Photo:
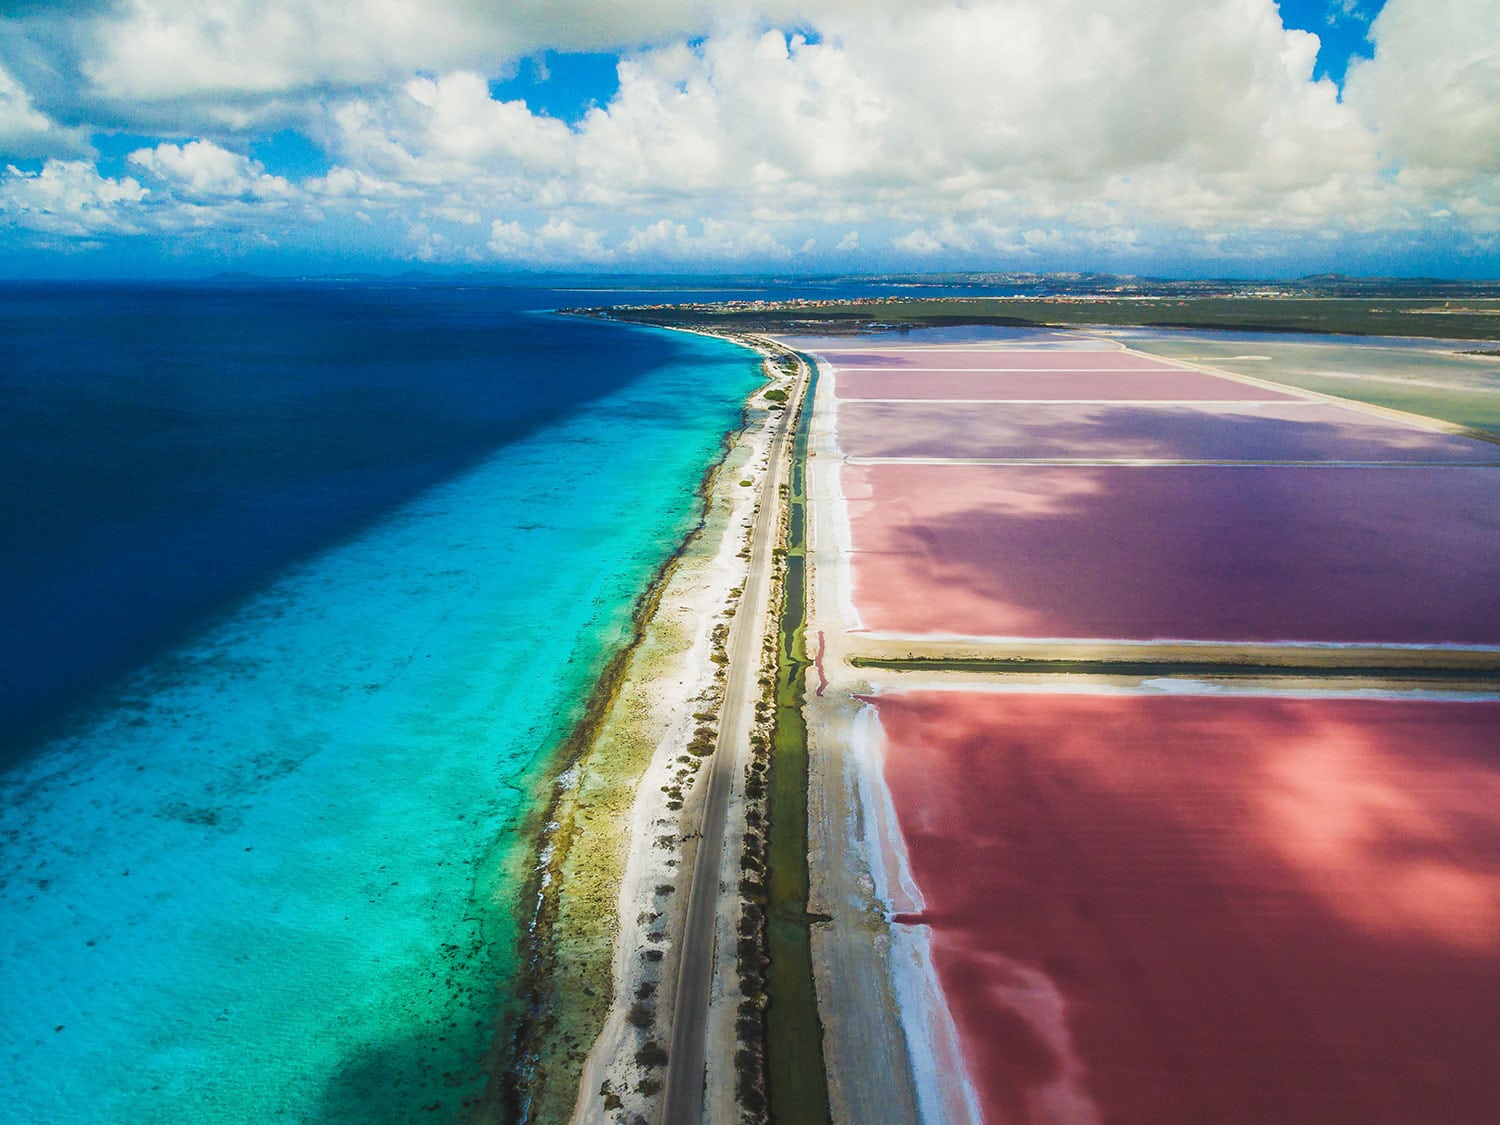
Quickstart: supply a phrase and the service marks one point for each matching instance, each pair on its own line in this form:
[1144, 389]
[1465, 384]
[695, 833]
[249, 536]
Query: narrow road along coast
[682, 1103]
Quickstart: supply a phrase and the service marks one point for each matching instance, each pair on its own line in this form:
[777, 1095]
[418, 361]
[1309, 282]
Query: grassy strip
[1012, 666]
[796, 1080]
[1360, 316]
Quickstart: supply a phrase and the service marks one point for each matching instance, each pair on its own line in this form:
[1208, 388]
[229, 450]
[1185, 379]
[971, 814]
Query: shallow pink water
[949, 359]
[1269, 431]
[1227, 909]
[1399, 555]
[1161, 384]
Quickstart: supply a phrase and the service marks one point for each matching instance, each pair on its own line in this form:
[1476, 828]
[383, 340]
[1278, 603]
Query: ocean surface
[299, 585]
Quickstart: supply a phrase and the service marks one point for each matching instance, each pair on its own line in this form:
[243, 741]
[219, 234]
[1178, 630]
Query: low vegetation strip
[796, 1080]
[1371, 315]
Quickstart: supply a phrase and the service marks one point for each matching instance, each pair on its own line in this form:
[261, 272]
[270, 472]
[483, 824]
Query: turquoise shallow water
[273, 877]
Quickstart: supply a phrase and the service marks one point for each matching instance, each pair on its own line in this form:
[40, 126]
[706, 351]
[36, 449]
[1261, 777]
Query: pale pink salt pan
[998, 360]
[1274, 431]
[1066, 384]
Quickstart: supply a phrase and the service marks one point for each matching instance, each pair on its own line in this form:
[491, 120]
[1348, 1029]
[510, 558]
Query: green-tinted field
[1419, 377]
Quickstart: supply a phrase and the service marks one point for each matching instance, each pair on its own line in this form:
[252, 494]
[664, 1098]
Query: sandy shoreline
[944, 1092]
[621, 831]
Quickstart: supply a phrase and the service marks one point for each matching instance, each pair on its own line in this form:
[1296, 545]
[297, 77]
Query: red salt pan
[1257, 553]
[1163, 909]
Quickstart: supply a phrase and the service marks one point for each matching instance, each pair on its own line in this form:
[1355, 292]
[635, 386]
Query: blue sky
[1203, 137]
[562, 85]
[1343, 30]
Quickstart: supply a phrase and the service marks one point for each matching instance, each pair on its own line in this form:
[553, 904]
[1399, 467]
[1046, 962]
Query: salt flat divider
[1003, 665]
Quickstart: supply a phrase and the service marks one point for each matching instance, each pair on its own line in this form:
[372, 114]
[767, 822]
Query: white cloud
[159, 50]
[1037, 111]
[437, 131]
[68, 197]
[345, 183]
[199, 192]
[26, 132]
[20, 123]
[937, 130]
[918, 242]
[558, 241]
[202, 170]
[1432, 90]
[563, 240]
[1432, 94]
[715, 241]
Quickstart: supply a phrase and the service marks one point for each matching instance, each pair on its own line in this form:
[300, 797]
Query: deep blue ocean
[299, 586]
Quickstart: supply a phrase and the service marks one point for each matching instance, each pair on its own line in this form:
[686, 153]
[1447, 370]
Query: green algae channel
[797, 1084]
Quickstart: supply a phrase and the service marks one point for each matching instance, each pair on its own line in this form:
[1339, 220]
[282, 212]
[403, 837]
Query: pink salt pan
[948, 359]
[1156, 910]
[1064, 384]
[1276, 431]
[1257, 553]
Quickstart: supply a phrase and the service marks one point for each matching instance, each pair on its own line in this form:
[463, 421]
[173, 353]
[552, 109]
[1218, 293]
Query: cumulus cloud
[559, 240]
[196, 191]
[564, 240]
[1433, 88]
[68, 197]
[345, 183]
[1072, 113]
[440, 130]
[155, 50]
[26, 132]
[1432, 94]
[715, 241]
[202, 170]
[935, 130]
